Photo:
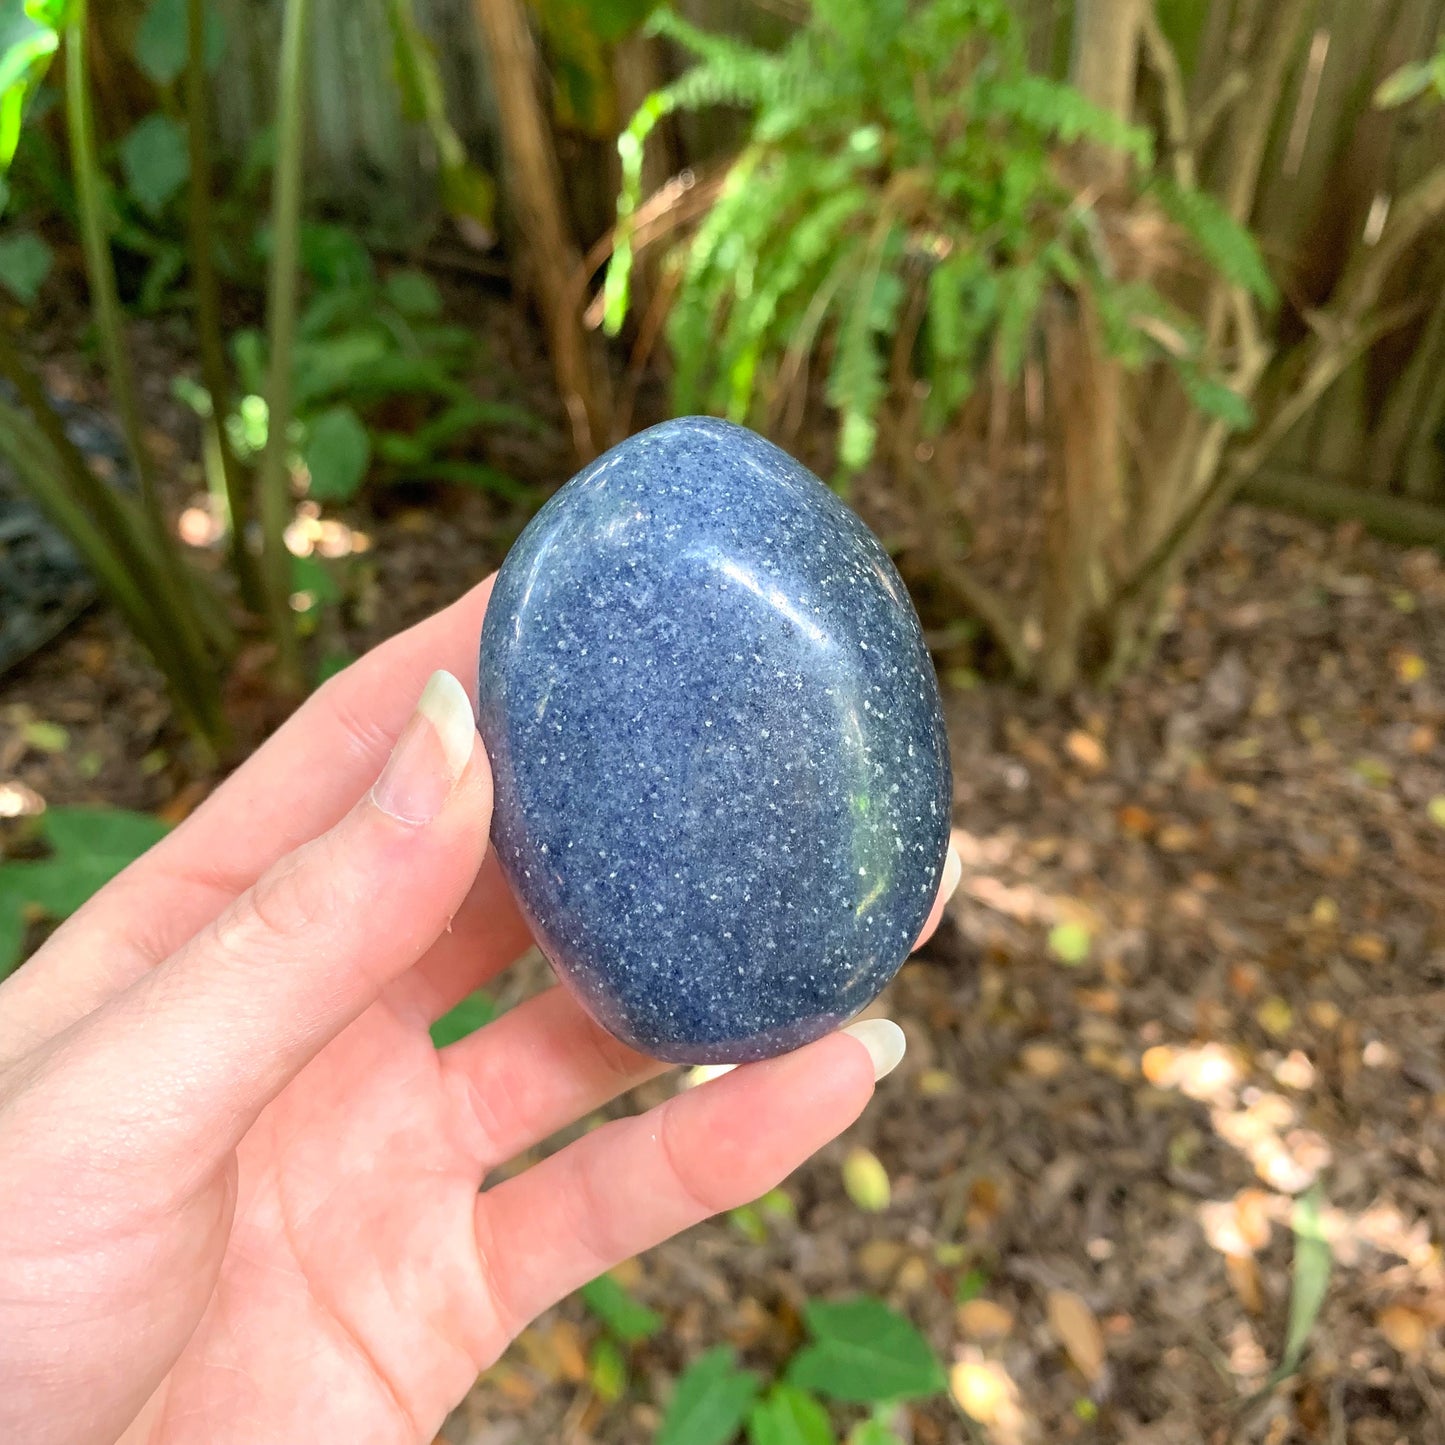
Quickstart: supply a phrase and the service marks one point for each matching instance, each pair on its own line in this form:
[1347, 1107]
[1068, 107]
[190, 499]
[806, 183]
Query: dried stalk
[536, 191]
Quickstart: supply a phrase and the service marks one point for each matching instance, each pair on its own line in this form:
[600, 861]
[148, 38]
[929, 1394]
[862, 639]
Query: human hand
[240, 1187]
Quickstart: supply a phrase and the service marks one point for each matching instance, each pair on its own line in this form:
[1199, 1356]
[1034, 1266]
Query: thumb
[197, 1047]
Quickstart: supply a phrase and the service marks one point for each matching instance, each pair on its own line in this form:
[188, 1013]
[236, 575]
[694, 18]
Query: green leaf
[864, 1352]
[710, 1401]
[865, 1180]
[337, 453]
[1214, 398]
[163, 35]
[1070, 943]
[474, 1012]
[414, 294]
[607, 1371]
[789, 1416]
[25, 262]
[331, 255]
[1435, 810]
[330, 664]
[12, 928]
[1309, 1278]
[628, 1318]
[1223, 242]
[89, 846]
[155, 162]
[46, 737]
[315, 577]
[29, 38]
[1408, 82]
[971, 1284]
[872, 1432]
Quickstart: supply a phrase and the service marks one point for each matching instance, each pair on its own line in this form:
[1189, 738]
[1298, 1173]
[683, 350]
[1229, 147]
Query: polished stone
[722, 779]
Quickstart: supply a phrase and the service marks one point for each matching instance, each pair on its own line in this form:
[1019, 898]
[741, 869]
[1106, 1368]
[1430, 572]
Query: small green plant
[87, 848]
[860, 1353]
[378, 380]
[861, 1356]
[905, 200]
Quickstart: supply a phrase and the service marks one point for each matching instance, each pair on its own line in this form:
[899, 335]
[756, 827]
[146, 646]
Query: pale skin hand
[240, 1188]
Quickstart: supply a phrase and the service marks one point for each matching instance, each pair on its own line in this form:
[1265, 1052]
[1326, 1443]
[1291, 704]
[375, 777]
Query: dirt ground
[1241, 854]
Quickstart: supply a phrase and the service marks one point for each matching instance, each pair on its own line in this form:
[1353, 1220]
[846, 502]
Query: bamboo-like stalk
[202, 628]
[208, 306]
[536, 187]
[275, 484]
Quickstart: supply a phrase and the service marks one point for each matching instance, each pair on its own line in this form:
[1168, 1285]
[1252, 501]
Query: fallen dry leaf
[1075, 1327]
[1406, 1329]
[1086, 750]
[1043, 1061]
[984, 1319]
[1243, 1275]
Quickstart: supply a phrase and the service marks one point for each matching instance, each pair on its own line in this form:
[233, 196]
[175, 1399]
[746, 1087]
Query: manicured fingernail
[952, 874]
[884, 1041]
[430, 755]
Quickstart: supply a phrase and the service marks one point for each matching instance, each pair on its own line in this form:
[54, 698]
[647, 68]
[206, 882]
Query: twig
[1161, 56]
[1218, 105]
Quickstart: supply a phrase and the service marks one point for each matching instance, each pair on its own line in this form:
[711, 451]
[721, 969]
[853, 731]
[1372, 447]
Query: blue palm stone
[722, 778]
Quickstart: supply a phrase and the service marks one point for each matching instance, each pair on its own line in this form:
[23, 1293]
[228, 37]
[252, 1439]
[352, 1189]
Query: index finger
[295, 787]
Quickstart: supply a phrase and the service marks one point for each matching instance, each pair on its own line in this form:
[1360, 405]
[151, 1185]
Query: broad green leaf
[29, 38]
[330, 255]
[789, 1416]
[414, 294]
[12, 923]
[629, 1319]
[337, 453]
[314, 577]
[474, 1012]
[89, 846]
[330, 664]
[862, 1351]
[25, 262]
[710, 1401]
[163, 35]
[155, 162]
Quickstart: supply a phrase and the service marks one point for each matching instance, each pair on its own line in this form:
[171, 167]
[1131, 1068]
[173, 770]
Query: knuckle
[707, 1183]
[285, 902]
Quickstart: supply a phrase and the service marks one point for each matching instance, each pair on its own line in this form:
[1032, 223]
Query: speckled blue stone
[722, 779]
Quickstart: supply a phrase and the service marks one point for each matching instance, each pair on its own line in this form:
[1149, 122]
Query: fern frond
[1061, 112]
[856, 384]
[1219, 238]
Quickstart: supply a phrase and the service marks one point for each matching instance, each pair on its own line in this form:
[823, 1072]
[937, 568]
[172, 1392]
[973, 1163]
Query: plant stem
[208, 306]
[190, 616]
[117, 520]
[38, 463]
[281, 332]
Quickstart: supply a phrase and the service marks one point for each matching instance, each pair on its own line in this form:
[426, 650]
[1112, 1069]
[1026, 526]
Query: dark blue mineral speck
[722, 779]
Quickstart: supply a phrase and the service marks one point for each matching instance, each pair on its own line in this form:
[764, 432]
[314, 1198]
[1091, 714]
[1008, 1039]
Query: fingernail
[430, 755]
[884, 1041]
[952, 873]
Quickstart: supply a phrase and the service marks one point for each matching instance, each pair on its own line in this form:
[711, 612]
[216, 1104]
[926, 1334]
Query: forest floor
[1196, 969]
